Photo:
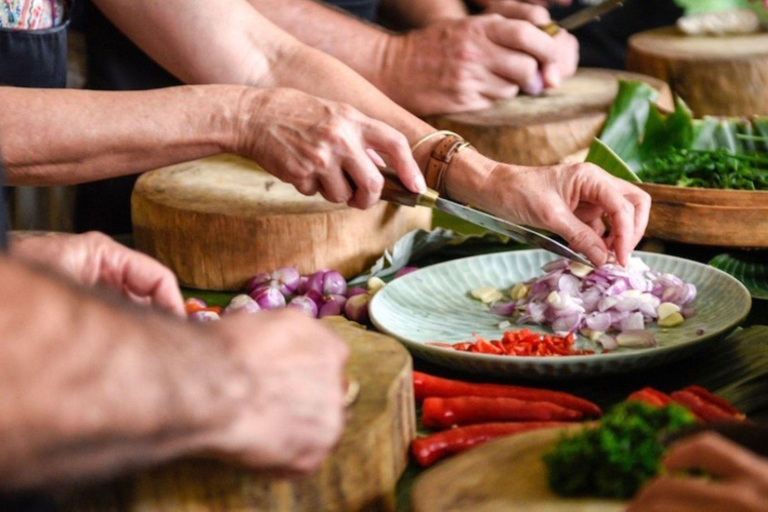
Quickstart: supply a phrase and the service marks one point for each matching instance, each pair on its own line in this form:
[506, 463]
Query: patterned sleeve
[32, 14]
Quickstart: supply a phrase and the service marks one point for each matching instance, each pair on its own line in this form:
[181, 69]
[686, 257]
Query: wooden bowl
[727, 218]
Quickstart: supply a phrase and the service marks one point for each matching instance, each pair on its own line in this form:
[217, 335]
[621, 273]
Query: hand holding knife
[581, 18]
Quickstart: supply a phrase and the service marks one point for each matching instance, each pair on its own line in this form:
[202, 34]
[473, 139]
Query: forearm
[67, 136]
[242, 47]
[89, 389]
[421, 13]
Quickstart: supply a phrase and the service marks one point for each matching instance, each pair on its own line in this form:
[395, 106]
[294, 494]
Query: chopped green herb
[716, 168]
[614, 459]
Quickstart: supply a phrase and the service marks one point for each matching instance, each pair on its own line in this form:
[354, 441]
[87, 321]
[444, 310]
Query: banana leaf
[751, 268]
[637, 131]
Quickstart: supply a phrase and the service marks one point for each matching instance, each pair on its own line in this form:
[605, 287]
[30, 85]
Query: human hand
[291, 408]
[95, 259]
[469, 64]
[570, 200]
[566, 45]
[322, 146]
[739, 484]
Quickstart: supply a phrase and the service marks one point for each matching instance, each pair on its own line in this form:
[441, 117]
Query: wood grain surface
[507, 475]
[543, 130]
[359, 476]
[218, 221]
[720, 75]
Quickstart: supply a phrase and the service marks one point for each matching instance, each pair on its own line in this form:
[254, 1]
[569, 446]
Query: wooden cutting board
[359, 476]
[543, 130]
[218, 221]
[725, 75]
[507, 475]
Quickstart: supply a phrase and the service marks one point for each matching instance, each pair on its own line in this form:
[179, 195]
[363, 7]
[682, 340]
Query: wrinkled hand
[571, 200]
[95, 259]
[468, 64]
[322, 146]
[291, 411]
[740, 479]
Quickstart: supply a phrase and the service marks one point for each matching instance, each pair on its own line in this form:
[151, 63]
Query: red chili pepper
[713, 399]
[652, 397]
[426, 386]
[191, 307]
[440, 413]
[430, 449]
[705, 412]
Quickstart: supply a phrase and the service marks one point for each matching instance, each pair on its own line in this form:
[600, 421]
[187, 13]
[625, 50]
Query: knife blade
[582, 17]
[395, 192]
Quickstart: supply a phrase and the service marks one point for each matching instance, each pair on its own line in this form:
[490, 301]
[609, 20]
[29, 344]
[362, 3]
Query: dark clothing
[115, 63]
[604, 42]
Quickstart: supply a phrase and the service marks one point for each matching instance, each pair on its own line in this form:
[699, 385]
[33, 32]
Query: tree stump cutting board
[543, 130]
[218, 221]
[725, 75]
[359, 476]
[507, 475]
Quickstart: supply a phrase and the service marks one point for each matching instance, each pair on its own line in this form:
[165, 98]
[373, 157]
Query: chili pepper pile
[705, 406]
[520, 343]
[466, 414]
[486, 412]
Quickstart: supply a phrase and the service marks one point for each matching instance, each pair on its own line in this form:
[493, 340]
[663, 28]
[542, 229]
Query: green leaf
[221, 299]
[601, 155]
[663, 131]
[748, 267]
[625, 126]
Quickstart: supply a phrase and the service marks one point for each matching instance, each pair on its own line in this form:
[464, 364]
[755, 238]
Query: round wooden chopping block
[218, 221]
[507, 475]
[359, 476]
[543, 130]
[725, 75]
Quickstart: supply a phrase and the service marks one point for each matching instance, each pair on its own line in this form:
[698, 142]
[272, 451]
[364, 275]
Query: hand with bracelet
[570, 200]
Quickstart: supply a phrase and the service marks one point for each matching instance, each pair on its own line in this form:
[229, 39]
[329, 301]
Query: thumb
[580, 236]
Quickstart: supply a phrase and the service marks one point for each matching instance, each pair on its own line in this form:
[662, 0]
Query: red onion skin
[356, 308]
[287, 278]
[334, 283]
[270, 298]
[333, 305]
[305, 305]
[259, 279]
[355, 291]
[204, 316]
[405, 271]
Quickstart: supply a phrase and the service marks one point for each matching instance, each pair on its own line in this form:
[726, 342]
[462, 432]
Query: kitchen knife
[395, 192]
[582, 17]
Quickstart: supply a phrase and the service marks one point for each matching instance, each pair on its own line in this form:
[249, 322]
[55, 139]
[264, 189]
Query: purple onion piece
[504, 308]
[259, 279]
[302, 288]
[305, 305]
[287, 279]
[355, 291]
[242, 304]
[270, 298]
[356, 308]
[204, 316]
[688, 312]
[405, 270]
[315, 282]
[334, 283]
[315, 296]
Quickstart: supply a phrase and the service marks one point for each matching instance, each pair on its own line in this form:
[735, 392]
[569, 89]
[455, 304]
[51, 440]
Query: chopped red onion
[204, 316]
[610, 298]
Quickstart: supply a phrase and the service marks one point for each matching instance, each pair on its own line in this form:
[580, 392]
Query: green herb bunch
[715, 168]
[614, 459]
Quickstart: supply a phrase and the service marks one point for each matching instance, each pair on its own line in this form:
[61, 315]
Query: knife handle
[395, 192]
[550, 28]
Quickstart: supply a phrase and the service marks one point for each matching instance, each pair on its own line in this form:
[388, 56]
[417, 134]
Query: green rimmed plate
[433, 304]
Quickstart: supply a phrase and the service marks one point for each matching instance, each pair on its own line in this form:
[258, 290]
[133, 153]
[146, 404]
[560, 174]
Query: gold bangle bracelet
[432, 136]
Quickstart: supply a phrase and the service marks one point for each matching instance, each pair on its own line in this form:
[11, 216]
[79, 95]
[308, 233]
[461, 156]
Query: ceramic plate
[433, 304]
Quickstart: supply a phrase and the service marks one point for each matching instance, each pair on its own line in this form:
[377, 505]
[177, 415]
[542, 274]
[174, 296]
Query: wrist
[230, 114]
[467, 178]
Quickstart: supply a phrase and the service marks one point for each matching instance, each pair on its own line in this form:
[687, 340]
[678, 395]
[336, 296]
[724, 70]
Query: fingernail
[535, 86]
[421, 183]
[596, 255]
